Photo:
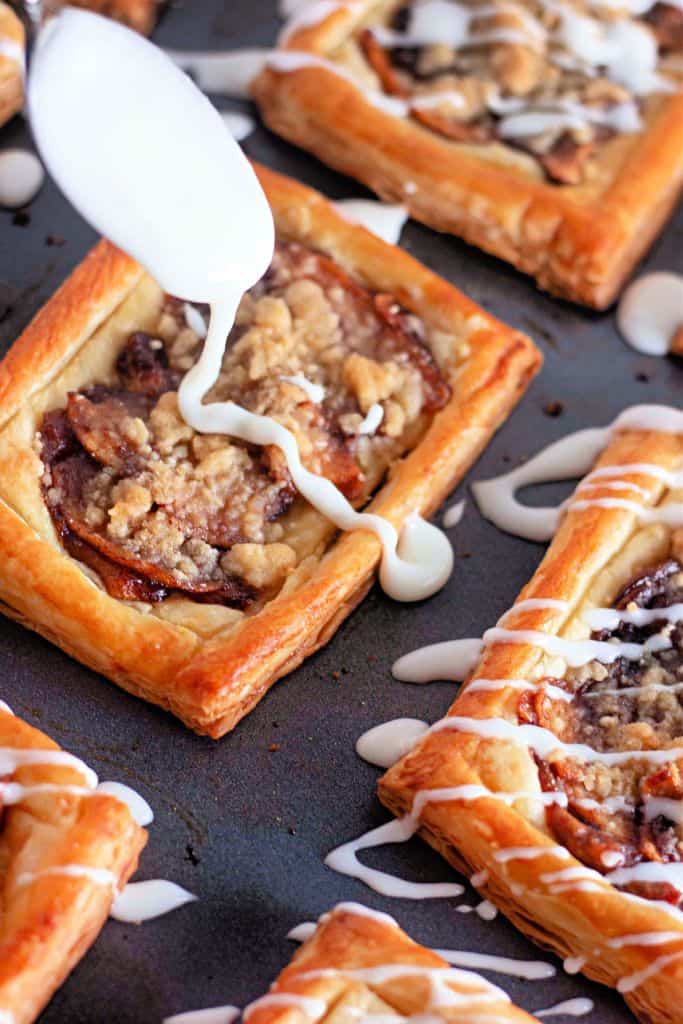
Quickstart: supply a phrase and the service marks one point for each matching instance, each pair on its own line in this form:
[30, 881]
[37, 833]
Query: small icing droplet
[453, 515]
[372, 420]
[314, 392]
[138, 807]
[569, 1008]
[194, 319]
[453, 659]
[302, 932]
[144, 901]
[386, 220]
[386, 744]
[21, 177]
[212, 1015]
[651, 312]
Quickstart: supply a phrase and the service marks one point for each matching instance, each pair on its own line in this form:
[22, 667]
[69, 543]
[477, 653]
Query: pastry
[65, 850]
[185, 567]
[11, 63]
[530, 129]
[558, 769]
[359, 963]
[138, 14]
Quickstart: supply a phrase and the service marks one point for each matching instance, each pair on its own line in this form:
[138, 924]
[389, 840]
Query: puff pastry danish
[185, 567]
[557, 772]
[65, 849]
[360, 963]
[525, 128]
[11, 63]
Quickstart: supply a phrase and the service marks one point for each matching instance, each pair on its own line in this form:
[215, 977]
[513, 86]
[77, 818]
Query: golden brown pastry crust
[580, 242]
[348, 940]
[47, 925]
[138, 14]
[212, 683]
[11, 79]
[594, 553]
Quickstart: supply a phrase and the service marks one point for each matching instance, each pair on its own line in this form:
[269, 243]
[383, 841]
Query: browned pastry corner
[50, 918]
[11, 63]
[186, 568]
[576, 209]
[577, 856]
[138, 14]
[346, 946]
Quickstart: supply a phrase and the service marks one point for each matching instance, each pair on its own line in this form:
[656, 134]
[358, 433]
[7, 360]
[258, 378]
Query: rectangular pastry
[549, 134]
[557, 773]
[11, 63]
[66, 849]
[359, 963]
[184, 566]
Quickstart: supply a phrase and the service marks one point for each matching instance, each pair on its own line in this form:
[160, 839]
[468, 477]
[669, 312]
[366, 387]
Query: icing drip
[12, 758]
[144, 901]
[313, 1008]
[224, 237]
[570, 458]
[302, 932]
[386, 220]
[386, 744]
[530, 970]
[372, 420]
[578, 1007]
[140, 810]
[453, 659]
[651, 312]
[21, 177]
[314, 392]
[344, 859]
[194, 319]
[6, 708]
[212, 1015]
[441, 995]
[453, 515]
[632, 981]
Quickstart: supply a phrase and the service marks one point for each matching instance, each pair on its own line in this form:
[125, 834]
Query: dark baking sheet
[244, 826]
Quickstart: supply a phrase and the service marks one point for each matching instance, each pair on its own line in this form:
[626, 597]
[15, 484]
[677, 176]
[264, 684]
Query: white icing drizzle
[372, 420]
[573, 964]
[12, 50]
[574, 652]
[530, 970]
[21, 177]
[98, 876]
[14, 793]
[12, 758]
[609, 618]
[314, 392]
[302, 932]
[229, 74]
[546, 744]
[6, 708]
[569, 458]
[441, 994]
[555, 692]
[239, 125]
[7, 1017]
[510, 853]
[631, 981]
[644, 939]
[310, 1007]
[212, 1015]
[651, 311]
[223, 237]
[344, 859]
[144, 901]
[386, 220]
[140, 810]
[194, 319]
[577, 1007]
[386, 744]
[311, 12]
[453, 515]
[452, 659]
[287, 61]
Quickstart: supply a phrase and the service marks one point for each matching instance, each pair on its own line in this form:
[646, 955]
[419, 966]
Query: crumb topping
[516, 79]
[620, 815]
[156, 508]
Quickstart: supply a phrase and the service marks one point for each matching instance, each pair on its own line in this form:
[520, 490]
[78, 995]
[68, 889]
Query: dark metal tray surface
[246, 822]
